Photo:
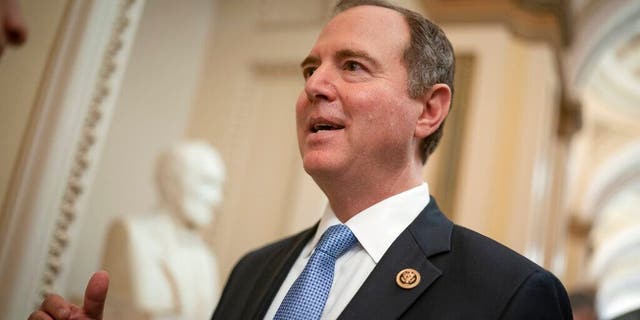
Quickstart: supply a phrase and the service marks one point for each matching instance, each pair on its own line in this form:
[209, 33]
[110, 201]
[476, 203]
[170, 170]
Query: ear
[435, 107]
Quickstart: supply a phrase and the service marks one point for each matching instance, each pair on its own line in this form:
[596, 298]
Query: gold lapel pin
[408, 278]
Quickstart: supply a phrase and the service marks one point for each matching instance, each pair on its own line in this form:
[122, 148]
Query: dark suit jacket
[464, 276]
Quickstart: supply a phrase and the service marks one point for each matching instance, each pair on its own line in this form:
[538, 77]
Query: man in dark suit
[378, 86]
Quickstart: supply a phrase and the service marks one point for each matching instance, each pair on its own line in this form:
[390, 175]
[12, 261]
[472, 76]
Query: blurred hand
[55, 307]
[14, 29]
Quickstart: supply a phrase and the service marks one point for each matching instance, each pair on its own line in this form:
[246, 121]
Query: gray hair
[429, 58]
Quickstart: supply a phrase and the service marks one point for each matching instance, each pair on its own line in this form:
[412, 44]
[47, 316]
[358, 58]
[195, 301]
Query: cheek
[301, 106]
[384, 110]
[394, 118]
[377, 110]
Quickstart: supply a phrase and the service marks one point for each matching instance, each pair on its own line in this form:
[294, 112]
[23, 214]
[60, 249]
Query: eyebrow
[347, 53]
[341, 55]
[309, 60]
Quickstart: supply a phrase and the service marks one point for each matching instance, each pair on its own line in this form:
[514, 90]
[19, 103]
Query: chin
[198, 216]
[320, 167]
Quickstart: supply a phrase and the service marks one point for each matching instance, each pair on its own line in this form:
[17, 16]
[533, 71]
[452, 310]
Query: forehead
[368, 28]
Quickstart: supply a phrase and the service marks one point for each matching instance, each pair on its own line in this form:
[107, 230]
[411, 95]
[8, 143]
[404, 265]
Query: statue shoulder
[141, 232]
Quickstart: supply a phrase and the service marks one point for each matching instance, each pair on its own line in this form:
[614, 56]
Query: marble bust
[160, 266]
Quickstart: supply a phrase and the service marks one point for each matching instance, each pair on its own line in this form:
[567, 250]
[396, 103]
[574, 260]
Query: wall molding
[62, 144]
[83, 159]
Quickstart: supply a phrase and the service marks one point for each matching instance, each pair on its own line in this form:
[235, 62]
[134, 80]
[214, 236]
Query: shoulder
[487, 263]
[488, 253]
[518, 287]
[540, 296]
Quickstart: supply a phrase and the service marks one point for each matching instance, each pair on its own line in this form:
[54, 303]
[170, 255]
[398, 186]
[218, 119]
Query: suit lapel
[275, 272]
[380, 296]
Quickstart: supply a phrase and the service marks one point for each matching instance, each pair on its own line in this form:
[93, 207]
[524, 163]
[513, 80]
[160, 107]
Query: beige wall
[506, 153]
[246, 107]
[21, 71]
[38, 225]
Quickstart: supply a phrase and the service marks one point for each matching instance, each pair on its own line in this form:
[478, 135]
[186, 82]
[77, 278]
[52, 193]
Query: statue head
[190, 178]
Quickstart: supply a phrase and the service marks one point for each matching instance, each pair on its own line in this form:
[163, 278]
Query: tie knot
[336, 240]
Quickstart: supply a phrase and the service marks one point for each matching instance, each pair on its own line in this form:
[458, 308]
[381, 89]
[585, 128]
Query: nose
[321, 85]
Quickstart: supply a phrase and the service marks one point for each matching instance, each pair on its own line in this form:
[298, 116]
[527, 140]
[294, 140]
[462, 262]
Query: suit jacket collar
[272, 277]
[380, 297]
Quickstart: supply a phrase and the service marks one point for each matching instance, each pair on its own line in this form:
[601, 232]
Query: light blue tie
[308, 294]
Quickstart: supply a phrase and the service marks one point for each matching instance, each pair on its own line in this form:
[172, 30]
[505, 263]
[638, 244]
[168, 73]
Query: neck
[349, 196]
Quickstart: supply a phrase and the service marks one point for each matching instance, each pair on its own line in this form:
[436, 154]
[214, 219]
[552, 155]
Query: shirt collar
[378, 226]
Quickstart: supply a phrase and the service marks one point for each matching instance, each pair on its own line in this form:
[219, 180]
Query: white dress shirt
[376, 228]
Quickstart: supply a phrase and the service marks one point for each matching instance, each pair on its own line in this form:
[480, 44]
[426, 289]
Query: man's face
[354, 116]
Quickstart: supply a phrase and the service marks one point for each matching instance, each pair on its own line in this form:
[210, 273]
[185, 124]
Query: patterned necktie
[308, 294]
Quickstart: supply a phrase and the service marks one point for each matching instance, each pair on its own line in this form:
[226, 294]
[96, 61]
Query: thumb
[96, 294]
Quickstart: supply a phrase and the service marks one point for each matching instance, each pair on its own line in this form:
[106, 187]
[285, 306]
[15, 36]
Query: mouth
[325, 127]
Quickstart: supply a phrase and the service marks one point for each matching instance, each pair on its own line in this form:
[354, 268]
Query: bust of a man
[160, 266]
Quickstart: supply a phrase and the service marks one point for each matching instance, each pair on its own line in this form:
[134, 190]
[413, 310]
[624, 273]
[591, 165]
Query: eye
[308, 71]
[353, 66]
